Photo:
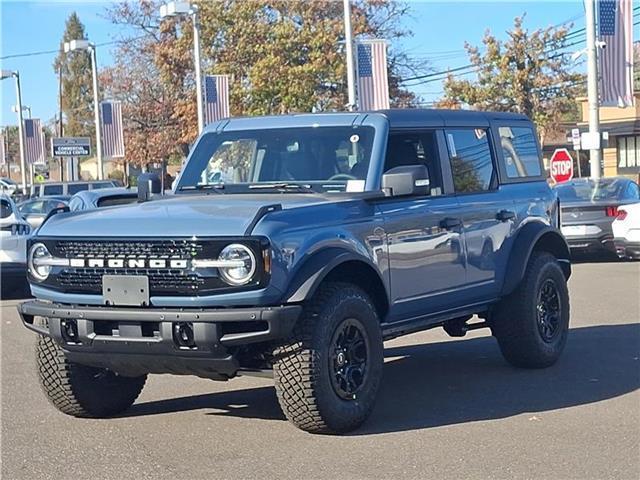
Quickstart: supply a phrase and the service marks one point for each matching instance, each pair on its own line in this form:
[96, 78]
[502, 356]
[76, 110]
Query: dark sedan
[588, 208]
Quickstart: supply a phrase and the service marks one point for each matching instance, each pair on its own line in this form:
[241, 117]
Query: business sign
[71, 147]
[561, 166]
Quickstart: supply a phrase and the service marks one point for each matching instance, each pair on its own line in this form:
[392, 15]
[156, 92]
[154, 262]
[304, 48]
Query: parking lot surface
[449, 408]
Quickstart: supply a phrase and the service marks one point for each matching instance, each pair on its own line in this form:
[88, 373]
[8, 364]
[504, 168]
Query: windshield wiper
[283, 186]
[205, 186]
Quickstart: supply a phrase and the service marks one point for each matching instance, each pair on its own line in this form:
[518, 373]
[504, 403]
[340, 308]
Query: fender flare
[531, 236]
[315, 269]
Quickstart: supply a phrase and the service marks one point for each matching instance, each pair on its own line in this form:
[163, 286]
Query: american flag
[112, 135]
[33, 141]
[216, 97]
[373, 85]
[615, 62]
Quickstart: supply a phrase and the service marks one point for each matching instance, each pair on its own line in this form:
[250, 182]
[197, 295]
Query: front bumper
[134, 341]
[626, 249]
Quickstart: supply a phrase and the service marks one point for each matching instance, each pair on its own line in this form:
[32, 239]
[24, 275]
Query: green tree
[77, 98]
[528, 73]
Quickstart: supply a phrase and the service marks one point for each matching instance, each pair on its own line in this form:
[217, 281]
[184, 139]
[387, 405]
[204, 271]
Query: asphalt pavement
[448, 408]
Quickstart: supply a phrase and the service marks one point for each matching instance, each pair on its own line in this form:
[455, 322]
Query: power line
[49, 52]
[471, 68]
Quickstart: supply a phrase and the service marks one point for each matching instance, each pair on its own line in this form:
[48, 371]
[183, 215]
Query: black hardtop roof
[397, 118]
[413, 116]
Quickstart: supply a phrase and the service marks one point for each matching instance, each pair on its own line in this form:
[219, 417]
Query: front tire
[80, 390]
[532, 324]
[327, 377]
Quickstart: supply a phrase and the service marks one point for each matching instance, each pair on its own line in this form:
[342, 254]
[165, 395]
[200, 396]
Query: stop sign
[561, 166]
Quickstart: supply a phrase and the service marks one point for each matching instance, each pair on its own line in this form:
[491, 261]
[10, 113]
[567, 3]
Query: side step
[458, 327]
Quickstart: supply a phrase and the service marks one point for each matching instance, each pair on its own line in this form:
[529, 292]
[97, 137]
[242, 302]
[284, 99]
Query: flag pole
[351, 74]
[592, 88]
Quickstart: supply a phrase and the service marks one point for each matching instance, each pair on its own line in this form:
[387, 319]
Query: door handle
[504, 215]
[448, 223]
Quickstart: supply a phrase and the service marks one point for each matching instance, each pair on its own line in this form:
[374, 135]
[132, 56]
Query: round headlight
[38, 253]
[244, 264]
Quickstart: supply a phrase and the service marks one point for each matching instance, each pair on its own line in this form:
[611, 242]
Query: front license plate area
[126, 290]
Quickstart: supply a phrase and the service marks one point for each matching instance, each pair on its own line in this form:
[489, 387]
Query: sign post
[561, 166]
[71, 148]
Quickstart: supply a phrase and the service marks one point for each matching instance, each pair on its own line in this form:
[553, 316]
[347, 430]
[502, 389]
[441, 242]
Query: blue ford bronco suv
[294, 246]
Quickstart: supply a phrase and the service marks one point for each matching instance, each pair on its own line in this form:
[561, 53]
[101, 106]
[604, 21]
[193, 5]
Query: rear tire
[80, 390]
[532, 324]
[327, 376]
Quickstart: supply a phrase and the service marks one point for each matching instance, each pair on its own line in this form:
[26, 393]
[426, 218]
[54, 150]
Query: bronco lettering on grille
[128, 263]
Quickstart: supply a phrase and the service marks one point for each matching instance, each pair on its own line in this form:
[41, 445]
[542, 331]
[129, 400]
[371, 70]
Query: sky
[440, 30]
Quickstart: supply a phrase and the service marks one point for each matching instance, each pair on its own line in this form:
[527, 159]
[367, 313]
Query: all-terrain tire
[303, 366]
[80, 390]
[518, 321]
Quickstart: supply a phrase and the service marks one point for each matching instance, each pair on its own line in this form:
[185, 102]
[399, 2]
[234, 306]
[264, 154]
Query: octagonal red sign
[561, 166]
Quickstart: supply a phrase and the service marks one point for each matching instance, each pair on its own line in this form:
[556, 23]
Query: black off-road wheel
[532, 324]
[327, 376]
[80, 390]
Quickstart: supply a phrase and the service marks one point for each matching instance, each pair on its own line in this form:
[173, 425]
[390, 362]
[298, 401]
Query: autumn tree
[527, 73]
[77, 101]
[283, 56]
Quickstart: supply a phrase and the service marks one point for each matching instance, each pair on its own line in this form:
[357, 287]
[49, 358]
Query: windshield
[285, 159]
[591, 190]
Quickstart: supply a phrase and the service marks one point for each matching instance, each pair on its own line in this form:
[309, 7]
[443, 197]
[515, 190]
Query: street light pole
[592, 88]
[96, 110]
[176, 9]
[83, 44]
[351, 74]
[23, 164]
[198, 67]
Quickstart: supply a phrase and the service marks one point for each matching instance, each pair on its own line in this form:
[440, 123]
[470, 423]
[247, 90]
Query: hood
[174, 216]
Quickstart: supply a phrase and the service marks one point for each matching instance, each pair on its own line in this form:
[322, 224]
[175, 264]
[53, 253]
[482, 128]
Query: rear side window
[99, 185]
[74, 188]
[52, 190]
[470, 155]
[520, 152]
[633, 192]
[120, 200]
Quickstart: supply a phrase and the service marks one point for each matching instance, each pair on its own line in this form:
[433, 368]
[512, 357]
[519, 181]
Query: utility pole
[96, 110]
[23, 163]
[592, 88]
[351, 74]
[198, 66]
[60, 128]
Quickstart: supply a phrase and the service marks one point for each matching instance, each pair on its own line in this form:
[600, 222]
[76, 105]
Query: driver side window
[415, 148]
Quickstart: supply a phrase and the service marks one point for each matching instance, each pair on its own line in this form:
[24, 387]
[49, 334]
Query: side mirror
[406, 180]
[149, 184]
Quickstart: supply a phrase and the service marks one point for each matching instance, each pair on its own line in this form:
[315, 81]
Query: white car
[14, 232]
[8, 186]
[626, 231]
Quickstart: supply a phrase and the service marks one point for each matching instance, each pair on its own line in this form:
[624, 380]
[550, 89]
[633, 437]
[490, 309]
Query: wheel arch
[334, 264]
[535, 237]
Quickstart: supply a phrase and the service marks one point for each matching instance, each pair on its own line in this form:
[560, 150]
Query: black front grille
[162, 281]
[144, 248]
[89, 280]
